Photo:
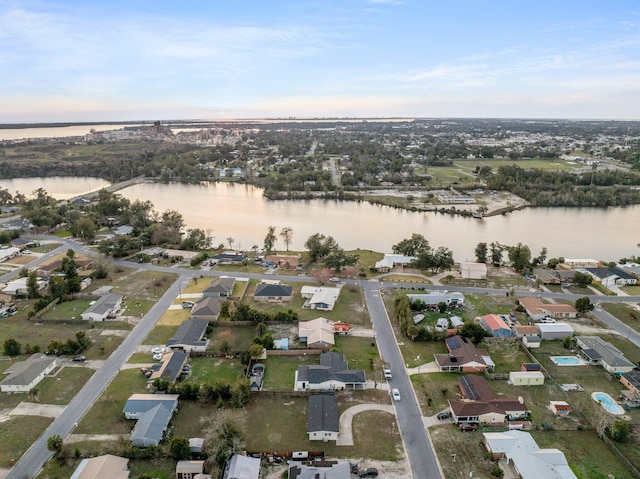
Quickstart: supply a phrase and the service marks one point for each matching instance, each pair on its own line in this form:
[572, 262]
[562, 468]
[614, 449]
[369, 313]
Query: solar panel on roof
[453, 343]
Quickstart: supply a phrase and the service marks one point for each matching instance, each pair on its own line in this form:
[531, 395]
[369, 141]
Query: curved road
[422, 458]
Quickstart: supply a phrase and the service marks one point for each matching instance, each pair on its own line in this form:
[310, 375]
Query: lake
[240, 212]
[54, 131]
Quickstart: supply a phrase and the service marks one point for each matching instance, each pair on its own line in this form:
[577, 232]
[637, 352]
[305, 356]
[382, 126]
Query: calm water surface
[54, 132]
[61, 188]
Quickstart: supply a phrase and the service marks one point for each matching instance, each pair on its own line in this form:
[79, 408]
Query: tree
[338, 259]
[319, 246]
[474, 331]
[620, 430]
[179, 448]
[481, 252]
[411, 246]
[270, 239]
[496, 253]
[12, 348]
[54, 443]
[583, 305]
[196, 239]
[241, 392]
[33, 288]
[520, 257]
[256, 350]
[85, 228]
[286, 234]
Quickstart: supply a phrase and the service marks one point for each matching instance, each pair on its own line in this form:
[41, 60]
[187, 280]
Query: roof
[461, 352]
[603, 273]
[207, 306]
[268, 290]
[23, 373]
[243, 467]
[475, 387]
[532, 366]
[151, 426]
[531, 461]
[107, 466]
[233, 256]
[220, 286]
[138, 403]
[325, 296]
[526, 330]
[633, 378]
[190, 333]
[172, 365]
[610, 355]
[390, 260]
[104, 304]
[494, 322]
[322, 414]
[341, 470]
[554, 328]
[526, 374]
[317, 331]
[332, 367]
[470, 407]
[190, 467]
[433, 298]
[536, 306]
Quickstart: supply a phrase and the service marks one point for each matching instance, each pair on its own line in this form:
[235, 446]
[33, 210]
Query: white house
[317, 333]
[320, 297]
[19, 287]
[390, 261]
[103, 307]
[25, 375]
[8, 253]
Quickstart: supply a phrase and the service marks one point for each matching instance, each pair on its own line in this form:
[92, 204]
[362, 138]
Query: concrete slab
[35, 409]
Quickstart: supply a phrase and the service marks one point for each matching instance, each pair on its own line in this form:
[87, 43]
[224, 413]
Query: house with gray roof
[103, 307]
[324, 470]
[207, 308]
[600, 352]
[190, 336]
[331, 374]
[153, 412]
[220, 287]
[25, 375]
[323, 418]
[171, 366]
[242, 467]
[434, 298]
[612, 276]
[526, 457]
[272, 293]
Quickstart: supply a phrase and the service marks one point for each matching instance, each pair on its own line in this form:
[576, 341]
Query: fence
[284, 394]
[294, 352]
[634, 470]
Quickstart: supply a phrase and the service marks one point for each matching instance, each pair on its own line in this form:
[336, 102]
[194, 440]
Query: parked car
[547, 319]
[188, 304]
[157, 350]
[395, 394]
[467, 426]
[157, 357]
[387, 373]
[146, 372]
[444, 415]
[368, 472]
[79, 359]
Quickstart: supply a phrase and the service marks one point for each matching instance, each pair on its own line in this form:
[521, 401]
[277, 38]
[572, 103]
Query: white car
[157, 357]
[387, 373]
[395, 394]
[335, 279]
[157, 350]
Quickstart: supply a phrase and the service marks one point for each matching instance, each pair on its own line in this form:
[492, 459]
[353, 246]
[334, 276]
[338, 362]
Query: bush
[495, 471]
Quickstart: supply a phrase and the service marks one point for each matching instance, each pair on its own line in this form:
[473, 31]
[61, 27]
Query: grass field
[17, 434]
[280, 370]
[625, 313]
[215, 370]
[174, 317]
[62, 388]
[144, 285]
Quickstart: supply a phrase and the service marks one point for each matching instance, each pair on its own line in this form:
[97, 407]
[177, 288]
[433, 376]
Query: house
[283, 261]
[242, 467]
[463, 356]
[434, 298]
[190, 336]
[537, 309]
[171, 366]
[227, 257]
[331, 374]
[102, 467]
[153, 413]
[473, 270]
[612, 276]
[189, 469]
[219, 287]
[47, 268]
[631, 380]
[390, 261]
[317, 333]
[526, 378]
[23, 376]
[598, 351]
[321, 470]
[552, 331]
[207, 308]
[320, 297]
[521, 331]
[323, 419]
[124, 230]
[554, 276]
[18, 286]
[570, 263]
[560, 408]
[495, 325]
[496, 411]
[525, 456]
[24, 243]
[272, 293]
[103, 308]
[8, 253]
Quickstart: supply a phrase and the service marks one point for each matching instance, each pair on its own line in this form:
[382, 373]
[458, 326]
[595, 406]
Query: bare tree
[286, 234]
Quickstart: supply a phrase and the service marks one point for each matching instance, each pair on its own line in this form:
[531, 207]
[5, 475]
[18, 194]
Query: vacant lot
[280, 371]
[62, 388]
[17, 434]
[149, 285]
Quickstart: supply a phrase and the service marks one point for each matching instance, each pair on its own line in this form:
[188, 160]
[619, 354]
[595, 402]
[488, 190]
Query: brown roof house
[463, 356]
[101, 467]
[537, 309]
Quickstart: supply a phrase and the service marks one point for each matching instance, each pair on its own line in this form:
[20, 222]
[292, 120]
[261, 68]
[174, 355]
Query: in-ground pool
[568, 360]
[608, 403]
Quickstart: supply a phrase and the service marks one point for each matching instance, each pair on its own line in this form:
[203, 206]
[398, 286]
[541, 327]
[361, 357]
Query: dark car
[466, 427]
[79, 359]
[444, 415]
[368, 472]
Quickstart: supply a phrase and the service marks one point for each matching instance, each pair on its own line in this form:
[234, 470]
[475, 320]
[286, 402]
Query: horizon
[117, 61]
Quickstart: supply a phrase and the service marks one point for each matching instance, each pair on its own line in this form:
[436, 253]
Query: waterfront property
[607, 403]
[473, 270]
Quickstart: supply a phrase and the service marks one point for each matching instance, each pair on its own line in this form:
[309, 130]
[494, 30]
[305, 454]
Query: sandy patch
[34, 409]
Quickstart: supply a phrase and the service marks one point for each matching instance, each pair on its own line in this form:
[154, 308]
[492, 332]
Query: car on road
[395, 394]
[467, 427]
[368, 472]
[157, 357]
[157, 350]
[387, 373]
[334, 279]
[444, 415]
[79, 359]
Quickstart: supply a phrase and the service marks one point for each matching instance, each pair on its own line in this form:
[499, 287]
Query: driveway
[431, 367]
[345, 436]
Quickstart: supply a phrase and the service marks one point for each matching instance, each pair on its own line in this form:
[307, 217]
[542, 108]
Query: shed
[532, 341]
[189, 469]
[560, 408]
[551, 331]
[526, 378]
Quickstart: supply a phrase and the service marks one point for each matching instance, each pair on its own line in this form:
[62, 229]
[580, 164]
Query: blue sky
[135, 59]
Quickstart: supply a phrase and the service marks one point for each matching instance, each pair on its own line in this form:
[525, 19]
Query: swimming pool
[568, 360]
[607, 402]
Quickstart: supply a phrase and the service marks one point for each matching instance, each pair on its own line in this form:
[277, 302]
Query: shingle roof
[276, 290]
[190, 333]
[323, 413]
[207, 306]
[104, 304]
[220, 286]
[609, 353]
[151, 426]
[143, 402]
[24, 372]
[332, 367]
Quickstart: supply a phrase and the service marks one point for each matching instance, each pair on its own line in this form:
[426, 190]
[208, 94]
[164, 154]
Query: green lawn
[46, 248]
[280, 370]
[625, 313]
[62, 388]
[17, 434]
[215, 370]
[68, 309]
[160, 334]
[361, 353]
[240, 338]
[433, 390]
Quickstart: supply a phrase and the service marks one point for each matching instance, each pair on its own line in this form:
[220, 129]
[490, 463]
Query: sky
[117, 60]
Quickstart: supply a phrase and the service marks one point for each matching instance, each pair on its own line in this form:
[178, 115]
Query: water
[567, 361]
[54, 131]
[608, 403]
[240, 212]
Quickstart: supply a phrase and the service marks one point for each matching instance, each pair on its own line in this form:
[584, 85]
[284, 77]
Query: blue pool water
[567, 361]
[608, 403]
